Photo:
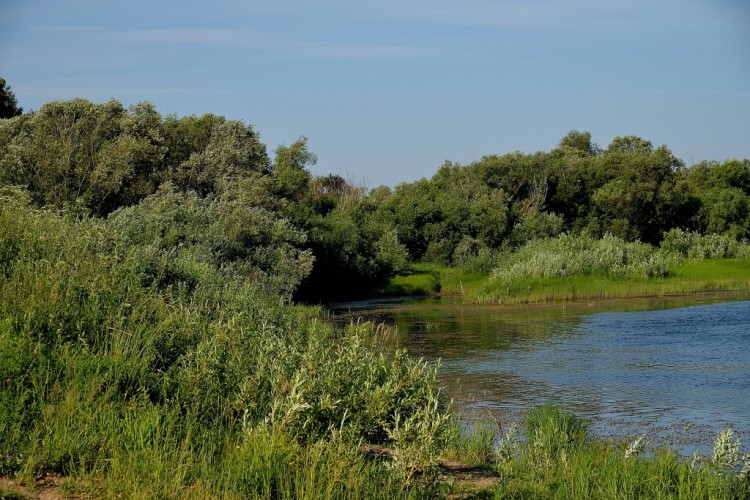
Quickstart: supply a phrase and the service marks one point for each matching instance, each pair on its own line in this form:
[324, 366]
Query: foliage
[726, 460]
[569, 255]
[93, 159]
[718, 197]
[553, 434]
[710, 246]
[83, 156]
[556, 460]
[475, 446]
[289, 169]
[8, 103]
[153, 352]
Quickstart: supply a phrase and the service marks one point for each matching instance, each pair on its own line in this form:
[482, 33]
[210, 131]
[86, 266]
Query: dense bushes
[137, 342]
[710, 246]
[631, 190]
[93, 159]
[569, 255]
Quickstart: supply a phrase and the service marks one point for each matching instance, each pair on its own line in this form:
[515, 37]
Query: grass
[129, 369]
[580, 267]
[428, 278]
[132, 373]
[709, 275]
[729, 276]
[554, 457]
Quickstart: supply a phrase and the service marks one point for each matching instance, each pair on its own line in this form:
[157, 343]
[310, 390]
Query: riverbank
[550, 455]
[725, 278]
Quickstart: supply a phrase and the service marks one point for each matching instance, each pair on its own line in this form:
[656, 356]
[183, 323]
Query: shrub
[125, 344]
[710, 246]
[569, 255]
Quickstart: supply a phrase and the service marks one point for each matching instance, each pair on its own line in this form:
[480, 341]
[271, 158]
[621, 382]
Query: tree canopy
[8, 103]
[96, 160]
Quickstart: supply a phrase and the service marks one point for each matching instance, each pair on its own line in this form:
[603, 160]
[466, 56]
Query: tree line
[208, 182]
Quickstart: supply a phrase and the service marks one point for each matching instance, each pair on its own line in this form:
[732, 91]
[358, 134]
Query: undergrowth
[139, 367]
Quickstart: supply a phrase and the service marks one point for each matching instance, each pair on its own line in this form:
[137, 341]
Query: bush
[569, 255]
[129, 344]
[710, 246]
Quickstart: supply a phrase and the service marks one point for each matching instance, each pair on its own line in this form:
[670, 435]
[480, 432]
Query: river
[676, 374]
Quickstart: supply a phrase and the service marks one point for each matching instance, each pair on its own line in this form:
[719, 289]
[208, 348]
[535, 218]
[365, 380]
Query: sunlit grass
[126, 378]
[710, 275]
[553, 456]
[728, 276]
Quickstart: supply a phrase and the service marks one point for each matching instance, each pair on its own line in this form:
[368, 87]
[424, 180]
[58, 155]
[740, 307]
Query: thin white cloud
[178, 36]
[548, 14]
[252, 39]
[68, 30]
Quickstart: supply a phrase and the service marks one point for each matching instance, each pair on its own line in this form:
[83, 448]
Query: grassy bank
[576, 268]
[709, 275]
[692, 276]
[132, 364]
[552, 456]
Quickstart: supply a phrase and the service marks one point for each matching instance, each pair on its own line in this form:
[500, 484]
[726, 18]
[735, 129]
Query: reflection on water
[678, 374]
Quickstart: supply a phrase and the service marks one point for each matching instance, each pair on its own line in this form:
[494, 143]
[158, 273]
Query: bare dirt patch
[47, 488]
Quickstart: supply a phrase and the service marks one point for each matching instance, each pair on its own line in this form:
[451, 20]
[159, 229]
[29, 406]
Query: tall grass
[554, 457]
[135, 374]
[582, 268]
[569, 268]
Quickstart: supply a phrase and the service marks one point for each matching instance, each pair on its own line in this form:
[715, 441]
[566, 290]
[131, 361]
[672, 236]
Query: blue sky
[387, 90]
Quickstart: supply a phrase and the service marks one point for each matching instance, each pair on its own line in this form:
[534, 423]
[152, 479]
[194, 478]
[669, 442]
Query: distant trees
[719, 197]
[629, 189]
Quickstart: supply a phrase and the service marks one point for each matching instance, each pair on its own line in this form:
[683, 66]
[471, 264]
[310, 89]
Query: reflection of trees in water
[466, 333]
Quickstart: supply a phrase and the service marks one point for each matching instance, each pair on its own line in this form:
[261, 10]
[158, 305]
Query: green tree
[84, 157]
[289, 169]
[232, 152]
[578, 143]
[720, 197]
[8, 104]
[636, 202]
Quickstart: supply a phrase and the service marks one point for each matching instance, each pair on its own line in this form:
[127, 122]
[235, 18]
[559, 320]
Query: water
[678, 375]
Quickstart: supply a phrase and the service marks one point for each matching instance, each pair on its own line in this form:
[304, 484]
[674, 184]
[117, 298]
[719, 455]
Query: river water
[678, 374]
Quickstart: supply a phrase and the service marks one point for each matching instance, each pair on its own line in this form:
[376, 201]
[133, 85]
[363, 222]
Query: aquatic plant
[636, 448]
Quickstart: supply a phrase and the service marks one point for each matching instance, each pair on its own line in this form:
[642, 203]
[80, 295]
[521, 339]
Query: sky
[387, 90]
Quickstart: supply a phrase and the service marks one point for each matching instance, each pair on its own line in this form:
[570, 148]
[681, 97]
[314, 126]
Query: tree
[8, 104]
[289, 169]
[637, 200]
[578, 143]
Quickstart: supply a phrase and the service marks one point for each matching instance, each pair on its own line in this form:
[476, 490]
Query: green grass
[132, 370]
[131, 373]
[428, 278]
[709, 275]
[553, 456]
[729, 276]
[581, 267]
[415, 283]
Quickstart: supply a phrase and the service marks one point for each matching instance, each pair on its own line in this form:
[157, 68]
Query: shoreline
[599, 304]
